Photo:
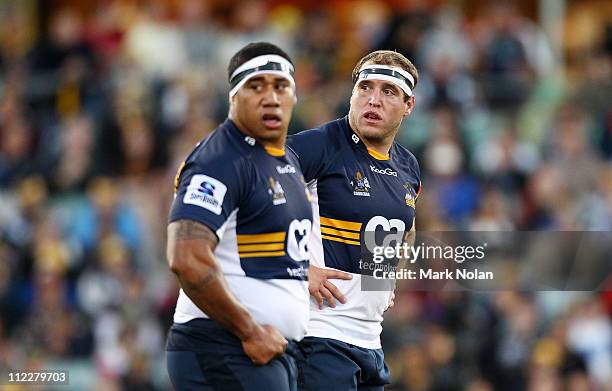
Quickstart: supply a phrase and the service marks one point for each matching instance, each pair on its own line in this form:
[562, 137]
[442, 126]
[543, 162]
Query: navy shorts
[328, 364]
[202, 355]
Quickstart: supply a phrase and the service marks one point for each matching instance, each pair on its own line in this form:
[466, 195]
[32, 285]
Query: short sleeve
[208, 192]
[313, 149]
[418, 188]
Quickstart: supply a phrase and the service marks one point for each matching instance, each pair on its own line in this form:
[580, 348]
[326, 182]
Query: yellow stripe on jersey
[275, 151]
[346, 241]
[271, 237]
[340, 224]
[261, 247]
[177, 176]
[344, 234]
[377, 155]
[262, 254]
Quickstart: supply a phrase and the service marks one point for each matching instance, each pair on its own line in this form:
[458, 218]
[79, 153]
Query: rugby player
[363, 182]
[237, 236]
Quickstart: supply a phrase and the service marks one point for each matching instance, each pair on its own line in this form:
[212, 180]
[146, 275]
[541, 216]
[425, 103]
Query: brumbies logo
[410, 195]
[276, 191]
[361, 185]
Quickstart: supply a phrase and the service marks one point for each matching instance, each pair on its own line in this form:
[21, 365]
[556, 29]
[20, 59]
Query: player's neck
[382, 147]
[274, 147]
[275, 144]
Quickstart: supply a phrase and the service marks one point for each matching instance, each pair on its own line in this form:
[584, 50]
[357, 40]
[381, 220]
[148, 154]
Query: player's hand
[263, 344]
[322, 289]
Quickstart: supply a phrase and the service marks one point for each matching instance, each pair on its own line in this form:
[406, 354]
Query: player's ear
[232, 103]
[409, 106]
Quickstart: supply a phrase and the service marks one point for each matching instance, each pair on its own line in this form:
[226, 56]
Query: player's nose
[375, 98]
[271, 97]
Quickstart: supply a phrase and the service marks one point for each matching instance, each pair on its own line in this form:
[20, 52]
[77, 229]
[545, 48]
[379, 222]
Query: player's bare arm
[191, 258]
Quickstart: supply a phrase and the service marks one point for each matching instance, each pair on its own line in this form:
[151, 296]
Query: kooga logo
[288, 169]
[386, 171]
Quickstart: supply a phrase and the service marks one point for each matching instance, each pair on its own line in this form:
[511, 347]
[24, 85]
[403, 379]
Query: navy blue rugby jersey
[355, 190]
[255, 200]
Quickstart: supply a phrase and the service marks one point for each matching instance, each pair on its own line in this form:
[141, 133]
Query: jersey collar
[356, 141]
[248, 140]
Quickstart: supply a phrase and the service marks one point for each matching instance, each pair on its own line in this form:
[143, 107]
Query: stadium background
[101, 100]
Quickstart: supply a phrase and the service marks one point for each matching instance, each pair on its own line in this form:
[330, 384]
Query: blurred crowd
[100, 104]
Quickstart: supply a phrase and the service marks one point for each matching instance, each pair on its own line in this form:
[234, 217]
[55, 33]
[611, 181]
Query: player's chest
[356, 189]
[278, 192]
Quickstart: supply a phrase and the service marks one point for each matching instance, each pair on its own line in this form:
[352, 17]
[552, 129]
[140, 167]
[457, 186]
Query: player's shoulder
[404, 158]
[330, 132]
[222, 146]
[331, 129]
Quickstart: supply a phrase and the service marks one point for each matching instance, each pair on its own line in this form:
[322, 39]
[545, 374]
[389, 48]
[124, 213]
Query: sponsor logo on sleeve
[205, 192]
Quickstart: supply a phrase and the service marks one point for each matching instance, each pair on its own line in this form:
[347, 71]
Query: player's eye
[282, 86]
[255, 86]
[364, 87]
[388, 91]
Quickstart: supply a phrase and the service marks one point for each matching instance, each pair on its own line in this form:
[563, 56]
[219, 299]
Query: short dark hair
[390, 58]
[253, 50]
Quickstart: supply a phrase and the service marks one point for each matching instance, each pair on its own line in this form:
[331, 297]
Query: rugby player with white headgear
[364, 183]
[237, 236]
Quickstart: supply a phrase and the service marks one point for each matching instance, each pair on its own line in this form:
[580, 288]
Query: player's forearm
[207, 288]
[191, 258]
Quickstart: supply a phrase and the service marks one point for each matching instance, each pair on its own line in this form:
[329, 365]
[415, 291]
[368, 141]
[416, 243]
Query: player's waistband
[328, 328]
[207, 336]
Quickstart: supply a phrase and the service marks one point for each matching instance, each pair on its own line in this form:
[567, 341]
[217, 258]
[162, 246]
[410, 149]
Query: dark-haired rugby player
[237, 236]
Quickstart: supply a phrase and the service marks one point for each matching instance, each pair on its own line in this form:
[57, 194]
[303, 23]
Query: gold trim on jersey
[263, 254]
[347, 232]
[277, 152]
[340, 224]
[346, 241]
[261, 245]
[344, 234]
[377, 155]
[177, 176]
[269, 237]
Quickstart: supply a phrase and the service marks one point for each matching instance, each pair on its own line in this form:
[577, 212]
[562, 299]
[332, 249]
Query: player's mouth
[372, 117]
[272, 121]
